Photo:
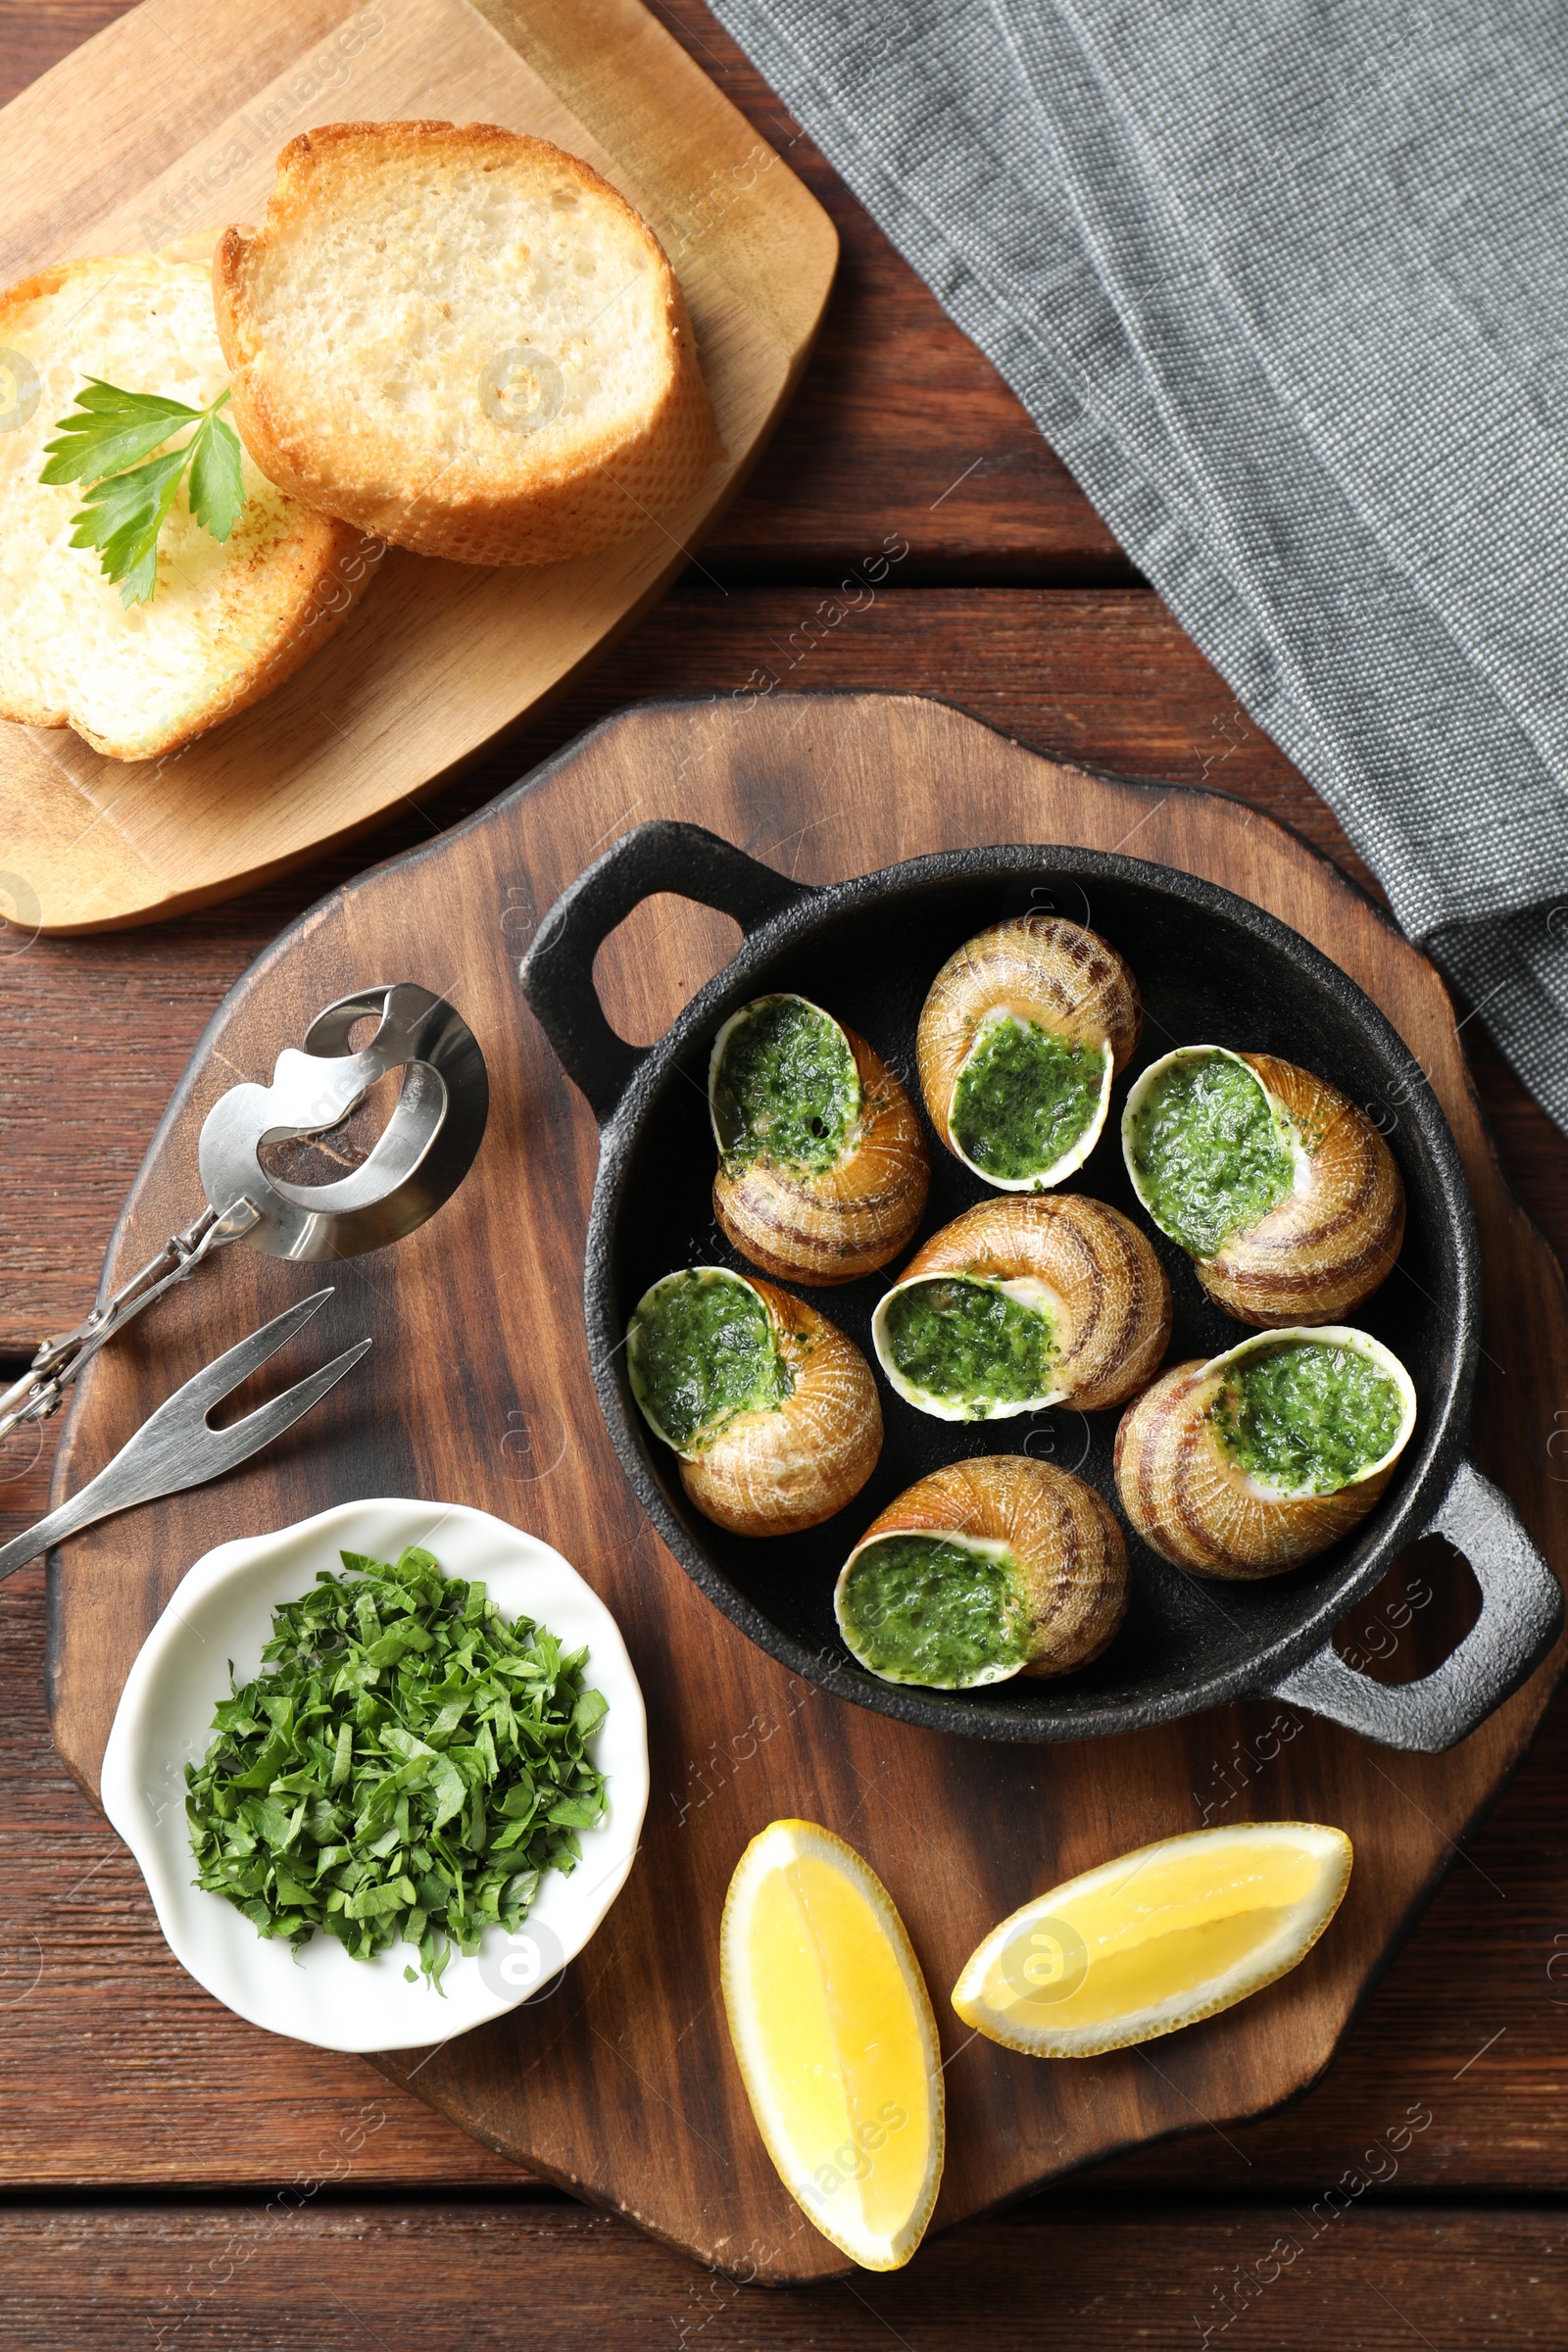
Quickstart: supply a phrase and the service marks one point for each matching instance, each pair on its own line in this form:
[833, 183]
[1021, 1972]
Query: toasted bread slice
[229, 622]
[463, 340]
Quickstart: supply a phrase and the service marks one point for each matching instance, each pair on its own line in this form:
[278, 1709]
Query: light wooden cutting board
[169, 123]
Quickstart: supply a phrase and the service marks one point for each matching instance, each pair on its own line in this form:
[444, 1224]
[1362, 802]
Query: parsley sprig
[406, 1764]
[103, 441]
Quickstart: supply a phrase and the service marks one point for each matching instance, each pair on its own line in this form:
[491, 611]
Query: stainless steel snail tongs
[419, 1160]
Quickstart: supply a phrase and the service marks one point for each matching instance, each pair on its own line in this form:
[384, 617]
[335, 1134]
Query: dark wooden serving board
[622, 2085]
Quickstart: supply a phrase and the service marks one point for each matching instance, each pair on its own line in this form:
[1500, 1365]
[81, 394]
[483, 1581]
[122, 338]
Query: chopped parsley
[700, 1348]
[1211, 1155]
[786, 1089]
[1308, 1416]
[968, 1343]
[407, 1764]
[1024, 1097]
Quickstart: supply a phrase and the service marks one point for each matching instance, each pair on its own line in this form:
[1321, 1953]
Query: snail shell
[838, 1223]
[775, 1468]
[1082, 1263]
[1189, 1498]
[1062, 1538]
[1333, 1240]
[1041, 969]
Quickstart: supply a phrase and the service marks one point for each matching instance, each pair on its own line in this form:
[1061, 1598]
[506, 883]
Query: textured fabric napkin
[1285, 283]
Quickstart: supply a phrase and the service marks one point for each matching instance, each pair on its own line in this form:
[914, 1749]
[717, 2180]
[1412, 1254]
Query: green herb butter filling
[1024, 1098]
[700, 1350]
[1209, 1155]
[406, 1764]
[924, 1608]
[968, 1343]
[1308, 1416]
[785, 1086]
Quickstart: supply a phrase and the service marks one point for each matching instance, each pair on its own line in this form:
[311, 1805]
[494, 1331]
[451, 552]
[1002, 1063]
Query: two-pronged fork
[174, 1447]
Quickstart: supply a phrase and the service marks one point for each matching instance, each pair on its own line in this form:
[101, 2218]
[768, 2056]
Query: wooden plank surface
[114, 2070]
[1106, 676]
[485, 2276]
[118, 2070]
[1099, 676]
[623, 2086]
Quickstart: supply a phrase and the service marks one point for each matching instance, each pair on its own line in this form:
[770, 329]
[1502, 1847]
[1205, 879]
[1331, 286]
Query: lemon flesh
[1156, 1940]
[836, 2040]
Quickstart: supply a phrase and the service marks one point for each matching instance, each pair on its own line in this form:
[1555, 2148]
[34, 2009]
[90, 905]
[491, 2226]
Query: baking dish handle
[1521, 1614]
[558, 971]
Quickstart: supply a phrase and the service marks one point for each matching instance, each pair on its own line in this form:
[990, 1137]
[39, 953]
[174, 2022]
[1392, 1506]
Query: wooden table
[172, 2175]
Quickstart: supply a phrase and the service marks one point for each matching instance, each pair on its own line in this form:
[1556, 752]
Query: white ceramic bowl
[223, 1609]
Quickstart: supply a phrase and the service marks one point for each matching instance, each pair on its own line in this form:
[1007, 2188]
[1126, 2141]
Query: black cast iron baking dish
[1212, 968]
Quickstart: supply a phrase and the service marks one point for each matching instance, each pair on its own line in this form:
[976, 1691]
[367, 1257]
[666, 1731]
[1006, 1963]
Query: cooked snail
[1282, 1190]
[982, 1571]
[1267, 1455]
[1018, 1304]
[823, 1170]
[772, 1410]
[1020, 1036]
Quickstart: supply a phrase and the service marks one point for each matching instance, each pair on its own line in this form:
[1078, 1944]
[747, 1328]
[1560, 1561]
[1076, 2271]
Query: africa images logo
[1047, 1964]
[525, 1965]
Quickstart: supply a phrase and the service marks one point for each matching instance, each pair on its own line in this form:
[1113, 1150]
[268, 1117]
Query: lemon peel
[836, 2040]
[1156, 1940]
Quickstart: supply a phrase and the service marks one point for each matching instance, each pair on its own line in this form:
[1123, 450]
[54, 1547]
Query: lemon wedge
[836, 2040]
[1156, 1941]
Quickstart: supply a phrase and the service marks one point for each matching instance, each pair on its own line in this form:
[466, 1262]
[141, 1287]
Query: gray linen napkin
[1285, 283]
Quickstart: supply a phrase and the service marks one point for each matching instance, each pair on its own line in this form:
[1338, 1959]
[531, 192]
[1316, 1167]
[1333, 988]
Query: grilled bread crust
[229, 622]
[464, 340]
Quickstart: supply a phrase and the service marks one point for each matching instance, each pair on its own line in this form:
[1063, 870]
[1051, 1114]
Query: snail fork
[175, 1447]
